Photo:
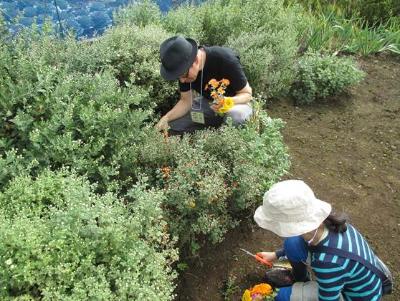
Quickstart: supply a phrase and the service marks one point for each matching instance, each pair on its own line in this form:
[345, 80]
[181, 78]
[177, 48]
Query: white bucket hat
[290, 208]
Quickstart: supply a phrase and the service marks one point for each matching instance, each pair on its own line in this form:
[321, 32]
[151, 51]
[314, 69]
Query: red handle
[261, 259]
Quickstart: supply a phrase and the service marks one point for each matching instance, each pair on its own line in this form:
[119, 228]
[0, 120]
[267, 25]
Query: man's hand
[215, 107]
[162, 124]
[270, 256]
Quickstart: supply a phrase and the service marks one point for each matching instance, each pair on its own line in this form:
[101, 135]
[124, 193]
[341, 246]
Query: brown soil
[348, 150]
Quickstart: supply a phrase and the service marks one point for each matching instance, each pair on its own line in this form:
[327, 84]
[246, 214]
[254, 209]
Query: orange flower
[221, 90]
[264, 289]
[166, 171]
[225, 82]
[213, 82]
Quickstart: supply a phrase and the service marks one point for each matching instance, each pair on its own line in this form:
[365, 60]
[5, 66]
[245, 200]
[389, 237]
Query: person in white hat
[313, 235]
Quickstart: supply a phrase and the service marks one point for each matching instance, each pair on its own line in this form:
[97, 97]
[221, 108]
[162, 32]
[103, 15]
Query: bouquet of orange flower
[221, 103]
[260, 292]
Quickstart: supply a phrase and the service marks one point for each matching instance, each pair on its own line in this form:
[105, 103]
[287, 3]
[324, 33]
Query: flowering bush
[259, 292]
[214, 177]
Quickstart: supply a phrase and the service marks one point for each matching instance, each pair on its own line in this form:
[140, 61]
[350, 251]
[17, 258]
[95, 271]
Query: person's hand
[162, 124]
[269, 256]
[215, 107]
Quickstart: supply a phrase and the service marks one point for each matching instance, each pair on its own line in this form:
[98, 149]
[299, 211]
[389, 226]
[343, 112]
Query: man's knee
[240, 114]
[184, 125]
[295, 249]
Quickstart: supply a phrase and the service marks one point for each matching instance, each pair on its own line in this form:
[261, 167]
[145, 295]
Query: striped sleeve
[331, 278]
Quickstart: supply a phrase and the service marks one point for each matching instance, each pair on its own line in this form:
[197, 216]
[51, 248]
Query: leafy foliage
[131, 52]
[140, 14]
[186, 20]
[214, 177]
[267, 44]
[60, 241]
[321, 76]
[340, 27]
[371, 11]
[85, 121]
[79, 153]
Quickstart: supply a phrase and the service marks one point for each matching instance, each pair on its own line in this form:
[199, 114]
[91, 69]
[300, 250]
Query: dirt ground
[348, 150]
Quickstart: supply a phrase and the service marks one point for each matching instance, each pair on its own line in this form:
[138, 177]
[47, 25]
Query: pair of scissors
[259, 258]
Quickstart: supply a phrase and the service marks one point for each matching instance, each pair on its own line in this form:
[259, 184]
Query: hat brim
[182, 69]
[289, 229]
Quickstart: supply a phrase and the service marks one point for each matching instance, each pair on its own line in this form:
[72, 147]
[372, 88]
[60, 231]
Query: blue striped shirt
[337, 275]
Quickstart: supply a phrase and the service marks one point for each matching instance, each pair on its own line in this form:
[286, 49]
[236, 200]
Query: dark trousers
[185, 124]
[239, 114]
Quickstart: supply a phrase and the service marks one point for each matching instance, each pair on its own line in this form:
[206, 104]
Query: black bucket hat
[177, 55]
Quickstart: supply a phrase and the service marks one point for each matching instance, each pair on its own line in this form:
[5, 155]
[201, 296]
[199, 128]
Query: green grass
[333, 33]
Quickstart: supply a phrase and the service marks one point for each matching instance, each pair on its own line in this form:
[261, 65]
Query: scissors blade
[247, 252]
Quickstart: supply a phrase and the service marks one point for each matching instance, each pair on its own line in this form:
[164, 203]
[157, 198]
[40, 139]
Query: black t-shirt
[221, 63]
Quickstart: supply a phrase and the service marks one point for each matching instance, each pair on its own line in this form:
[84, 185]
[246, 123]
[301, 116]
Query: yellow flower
[227, 105]
[246, 296]
[229, 102]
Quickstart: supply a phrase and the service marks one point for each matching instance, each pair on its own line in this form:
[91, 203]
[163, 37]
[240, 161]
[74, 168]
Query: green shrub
[213, 178]
[267, 45]
[60, 241]
[140, 14]
[268, 59]
[90, 107]
[377, 11]
[13, 164]
[320, 76]
[134, 53]
[129, 52]
[85, 121]
[220, 20]
[185, 20]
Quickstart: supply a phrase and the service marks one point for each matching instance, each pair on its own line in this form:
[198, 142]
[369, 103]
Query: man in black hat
[194, 67]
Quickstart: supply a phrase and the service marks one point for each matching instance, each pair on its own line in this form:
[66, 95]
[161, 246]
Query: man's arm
[180, 109]
[243, 96]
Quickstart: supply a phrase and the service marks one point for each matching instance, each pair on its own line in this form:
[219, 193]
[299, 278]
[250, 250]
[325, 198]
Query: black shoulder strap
[352, 256]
